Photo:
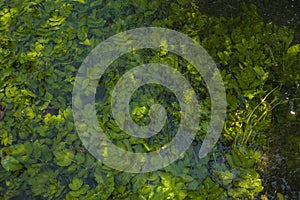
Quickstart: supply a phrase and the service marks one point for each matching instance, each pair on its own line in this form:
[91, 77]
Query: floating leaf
[75, 184]
[63, 157]
[9, 163]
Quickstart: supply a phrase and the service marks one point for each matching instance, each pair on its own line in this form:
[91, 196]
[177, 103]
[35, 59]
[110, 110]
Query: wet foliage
[42, 45]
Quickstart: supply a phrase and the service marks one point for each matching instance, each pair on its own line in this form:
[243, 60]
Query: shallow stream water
[281, 175]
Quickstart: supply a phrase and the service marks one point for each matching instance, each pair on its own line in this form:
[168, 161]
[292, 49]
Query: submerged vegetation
[42, 45]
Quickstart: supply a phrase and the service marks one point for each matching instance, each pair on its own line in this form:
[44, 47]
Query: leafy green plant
[42, 45]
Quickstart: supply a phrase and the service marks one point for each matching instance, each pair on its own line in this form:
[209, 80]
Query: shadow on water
[282, 13]
[281, 175]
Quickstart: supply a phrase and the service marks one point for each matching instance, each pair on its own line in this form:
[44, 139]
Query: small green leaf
[83, 32]
[64, 157]
[187, 178]
[227, 177]
[246, 77]
[46, 154]
[75, 184]
[280, 196]
[9, 163]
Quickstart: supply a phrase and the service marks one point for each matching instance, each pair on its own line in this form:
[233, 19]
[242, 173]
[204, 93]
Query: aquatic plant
[42, 45]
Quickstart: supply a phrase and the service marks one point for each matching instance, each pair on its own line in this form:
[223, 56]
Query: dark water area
[282, 13]
[282, 173]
